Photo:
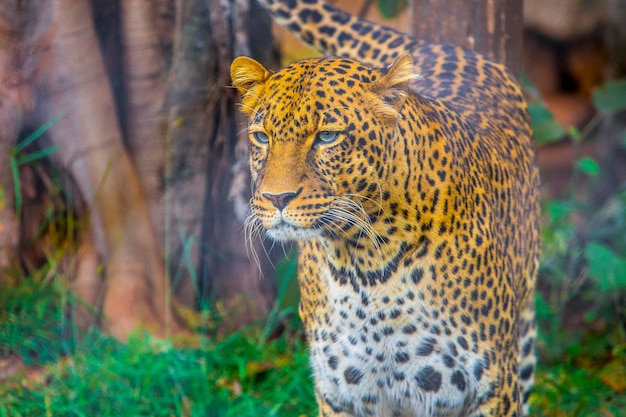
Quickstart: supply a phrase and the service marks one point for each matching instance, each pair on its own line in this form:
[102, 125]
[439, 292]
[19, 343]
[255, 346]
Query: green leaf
[588, 166]
[548, 132]
[610, 97]
[545, 127]
[539, 113]
[559, 210]
[605, 267]
[391, 8]
[542, 307]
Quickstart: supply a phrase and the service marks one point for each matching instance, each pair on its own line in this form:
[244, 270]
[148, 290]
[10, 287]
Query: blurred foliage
[546, 128]
[390, 9]
[611, 97]
[581, 299]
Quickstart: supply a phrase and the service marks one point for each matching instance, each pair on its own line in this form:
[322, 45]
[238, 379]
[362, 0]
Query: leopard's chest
[384, 351]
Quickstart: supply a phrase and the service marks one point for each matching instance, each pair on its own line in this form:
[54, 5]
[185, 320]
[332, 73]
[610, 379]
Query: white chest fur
[387, 354]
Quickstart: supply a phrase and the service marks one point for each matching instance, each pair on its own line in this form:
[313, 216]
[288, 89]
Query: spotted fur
[414, 202]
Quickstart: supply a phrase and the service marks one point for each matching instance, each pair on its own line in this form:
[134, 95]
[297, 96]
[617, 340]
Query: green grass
[86, 373]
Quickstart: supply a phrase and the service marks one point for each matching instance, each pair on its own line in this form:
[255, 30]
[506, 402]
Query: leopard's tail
[335, 32]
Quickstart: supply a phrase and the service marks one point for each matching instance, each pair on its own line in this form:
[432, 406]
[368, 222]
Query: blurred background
[128, 282]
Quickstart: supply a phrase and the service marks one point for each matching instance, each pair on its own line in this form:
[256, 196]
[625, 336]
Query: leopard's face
[318, 143]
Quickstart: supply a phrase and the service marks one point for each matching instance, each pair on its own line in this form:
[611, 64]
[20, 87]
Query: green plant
[582, 287]
[19, 157]
[82, 372]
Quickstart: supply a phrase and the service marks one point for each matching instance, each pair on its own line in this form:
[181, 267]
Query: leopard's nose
[281, 200]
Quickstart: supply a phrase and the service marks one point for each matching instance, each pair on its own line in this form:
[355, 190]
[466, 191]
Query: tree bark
[144, 87]
[11, 97]
[186, 144]
[491, 27]
[206, 159]
[74, 81]
[166, 147]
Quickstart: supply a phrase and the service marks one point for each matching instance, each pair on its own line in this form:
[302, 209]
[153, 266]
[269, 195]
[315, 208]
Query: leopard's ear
[248, 76]
[392, 86]
[398, 75]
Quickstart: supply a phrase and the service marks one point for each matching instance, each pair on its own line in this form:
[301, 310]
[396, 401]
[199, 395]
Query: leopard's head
[319, 133]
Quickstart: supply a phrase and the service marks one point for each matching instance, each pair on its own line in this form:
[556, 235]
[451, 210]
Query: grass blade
[38, 133]
[41, 153]
[16, 186]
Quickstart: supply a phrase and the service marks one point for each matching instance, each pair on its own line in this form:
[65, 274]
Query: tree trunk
[175, 155]
[11, 101]
[491, 27]
[206, 160]
[74, 81]
[187, 145]
[144, 87]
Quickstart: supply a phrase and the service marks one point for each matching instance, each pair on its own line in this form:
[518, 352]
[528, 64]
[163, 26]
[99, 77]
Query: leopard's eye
[327, 136]
[261, 138]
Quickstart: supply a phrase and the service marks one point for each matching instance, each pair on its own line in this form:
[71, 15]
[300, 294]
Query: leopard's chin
[284, 232]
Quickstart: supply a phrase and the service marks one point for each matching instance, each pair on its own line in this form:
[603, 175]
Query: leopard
[405, 173]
